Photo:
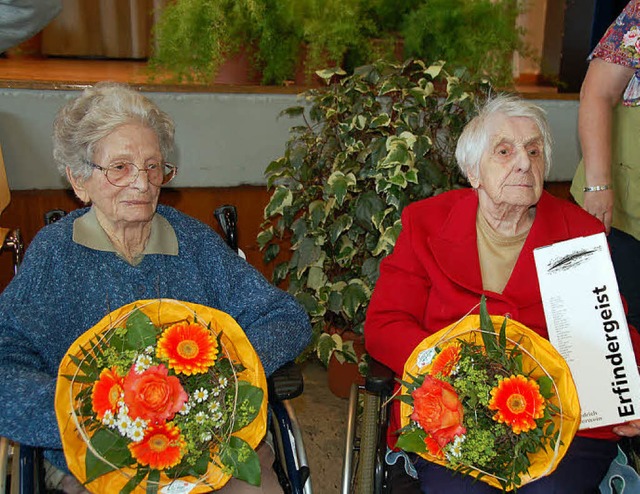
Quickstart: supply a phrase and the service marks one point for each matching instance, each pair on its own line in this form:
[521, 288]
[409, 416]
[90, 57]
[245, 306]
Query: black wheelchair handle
[227, 217]
[380, 378]
[53, 215]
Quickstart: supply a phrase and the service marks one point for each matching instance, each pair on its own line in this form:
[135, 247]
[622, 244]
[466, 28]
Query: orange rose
[153, 395]
[438, 410]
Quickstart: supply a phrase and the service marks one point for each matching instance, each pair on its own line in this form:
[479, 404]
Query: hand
[600, 205]
[628, 429]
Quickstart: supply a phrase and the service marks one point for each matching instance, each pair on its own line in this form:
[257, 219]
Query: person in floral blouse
[607, 181]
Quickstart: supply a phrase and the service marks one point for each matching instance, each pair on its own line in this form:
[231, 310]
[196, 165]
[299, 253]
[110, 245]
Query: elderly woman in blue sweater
[112, 143]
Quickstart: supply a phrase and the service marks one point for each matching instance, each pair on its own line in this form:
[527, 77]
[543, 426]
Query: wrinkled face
[512, 167]
[119, 207]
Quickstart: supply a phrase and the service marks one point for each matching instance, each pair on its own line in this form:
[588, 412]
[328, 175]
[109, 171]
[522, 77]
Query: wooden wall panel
[27, 208]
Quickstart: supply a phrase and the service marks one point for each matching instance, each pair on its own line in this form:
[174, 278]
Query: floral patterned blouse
[621, 45]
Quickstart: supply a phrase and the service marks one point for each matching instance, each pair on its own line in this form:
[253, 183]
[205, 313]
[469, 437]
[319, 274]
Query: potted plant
[440, 30]
[369, 144]
[193, 38]
[345, 358]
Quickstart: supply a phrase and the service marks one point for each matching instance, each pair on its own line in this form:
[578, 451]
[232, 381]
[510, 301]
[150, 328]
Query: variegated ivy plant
[368, 144]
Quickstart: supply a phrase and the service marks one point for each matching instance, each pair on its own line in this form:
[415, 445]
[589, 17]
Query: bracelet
[596, 188]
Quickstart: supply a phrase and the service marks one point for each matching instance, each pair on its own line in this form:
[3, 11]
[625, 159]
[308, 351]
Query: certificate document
[587, 325]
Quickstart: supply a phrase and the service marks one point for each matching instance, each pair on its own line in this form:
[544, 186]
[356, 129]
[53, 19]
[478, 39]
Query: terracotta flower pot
[238, 69]
[342, 375]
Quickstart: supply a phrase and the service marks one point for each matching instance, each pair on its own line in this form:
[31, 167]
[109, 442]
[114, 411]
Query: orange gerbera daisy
[189, 347]
[445, 361]
[106, 392]
[518, 403]
[161, 447]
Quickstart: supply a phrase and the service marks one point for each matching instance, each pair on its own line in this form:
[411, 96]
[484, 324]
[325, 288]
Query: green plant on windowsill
[368, 145]
[481, 35]
[193, 38]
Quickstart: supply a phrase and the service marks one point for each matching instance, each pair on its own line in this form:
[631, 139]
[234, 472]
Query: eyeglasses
[124, 173]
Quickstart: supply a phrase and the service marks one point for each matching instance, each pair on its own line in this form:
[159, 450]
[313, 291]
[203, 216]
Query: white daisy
[200, 395]
[143, 362]
[135, 434]
[186, 408]
[108, 419]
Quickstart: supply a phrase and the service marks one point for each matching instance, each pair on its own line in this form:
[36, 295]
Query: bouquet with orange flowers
[162, 393]
[488, 397]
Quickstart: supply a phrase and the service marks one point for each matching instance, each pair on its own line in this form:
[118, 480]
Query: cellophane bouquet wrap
[162, 396]
[489, 397]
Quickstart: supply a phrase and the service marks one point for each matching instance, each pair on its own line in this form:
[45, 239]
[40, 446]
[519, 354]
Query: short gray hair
[474, 139]
[95, 114]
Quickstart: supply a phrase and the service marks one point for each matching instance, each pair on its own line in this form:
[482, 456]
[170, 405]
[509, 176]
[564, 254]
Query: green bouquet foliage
[154, 412]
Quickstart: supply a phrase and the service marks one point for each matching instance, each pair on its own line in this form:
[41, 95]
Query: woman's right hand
[600, 204]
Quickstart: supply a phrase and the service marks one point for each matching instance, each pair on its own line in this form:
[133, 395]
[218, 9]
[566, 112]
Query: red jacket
[433, 278]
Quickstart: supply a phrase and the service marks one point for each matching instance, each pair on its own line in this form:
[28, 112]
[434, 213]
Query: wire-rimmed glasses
[124, 173]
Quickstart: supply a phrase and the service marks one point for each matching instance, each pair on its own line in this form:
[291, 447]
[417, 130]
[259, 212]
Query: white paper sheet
[587, 325]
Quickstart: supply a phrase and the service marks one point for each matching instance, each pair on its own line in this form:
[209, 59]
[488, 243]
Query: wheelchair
[365, 468]
[22, 470]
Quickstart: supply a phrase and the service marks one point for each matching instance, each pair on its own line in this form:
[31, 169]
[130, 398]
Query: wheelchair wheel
[366, 477]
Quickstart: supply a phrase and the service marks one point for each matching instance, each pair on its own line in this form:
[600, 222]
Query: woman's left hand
[628, 429]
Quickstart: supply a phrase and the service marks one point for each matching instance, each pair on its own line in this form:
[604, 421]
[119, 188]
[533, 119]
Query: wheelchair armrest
[380, 378]
[286, 383]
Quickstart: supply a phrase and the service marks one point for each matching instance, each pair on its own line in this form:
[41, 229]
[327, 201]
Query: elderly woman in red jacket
[462, 244]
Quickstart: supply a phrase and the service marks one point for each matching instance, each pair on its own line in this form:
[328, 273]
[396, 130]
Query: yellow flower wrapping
[540, 358]
[234, 341]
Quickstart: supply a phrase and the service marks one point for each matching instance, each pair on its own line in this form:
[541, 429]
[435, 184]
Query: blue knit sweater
[63, 289]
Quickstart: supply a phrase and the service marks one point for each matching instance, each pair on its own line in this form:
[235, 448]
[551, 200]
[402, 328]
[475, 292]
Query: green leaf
[503, 336]
[327, 74]
[264, 237]
[353, 297]
[249, 401]
[317, 279]
[134, 481]
[281, 198]
[341, 224]
[489, 337]
[368, 204]
[382, 120]
[271, 253]
[310, 304]
[325, 347]
[141, 332]
[308, 254]
[387, 240]
[546, 387]
[435, 69]
[398, 153]
[413, 441]
[338, 184]
[202, 463]
[242, 460]
[317, 213]
[153, 482]
[110, 446]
